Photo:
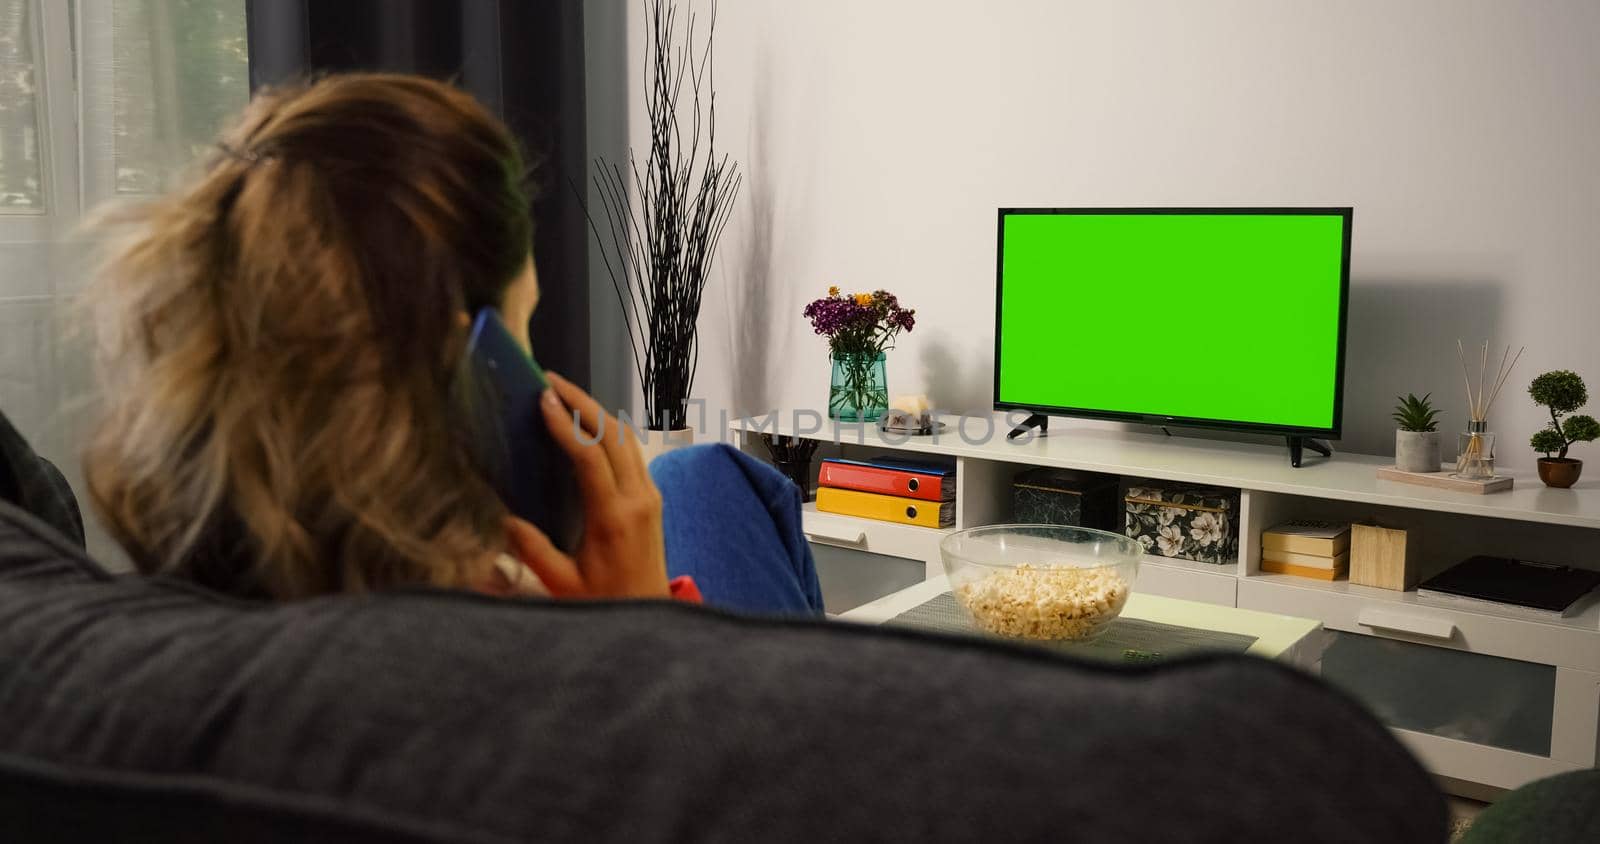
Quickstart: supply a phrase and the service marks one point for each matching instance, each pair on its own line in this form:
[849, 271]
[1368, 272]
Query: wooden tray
[1443, 480]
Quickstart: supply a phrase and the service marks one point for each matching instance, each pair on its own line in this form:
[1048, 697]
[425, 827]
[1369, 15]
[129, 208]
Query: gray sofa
[140, 709]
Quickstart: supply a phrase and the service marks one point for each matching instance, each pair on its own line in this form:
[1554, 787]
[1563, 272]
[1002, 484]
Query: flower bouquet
[859, 328]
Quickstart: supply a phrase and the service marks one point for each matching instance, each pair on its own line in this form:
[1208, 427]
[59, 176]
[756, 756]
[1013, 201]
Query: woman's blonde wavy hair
[281, 340]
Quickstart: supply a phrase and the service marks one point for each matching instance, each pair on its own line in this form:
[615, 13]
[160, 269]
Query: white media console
[1483, 697]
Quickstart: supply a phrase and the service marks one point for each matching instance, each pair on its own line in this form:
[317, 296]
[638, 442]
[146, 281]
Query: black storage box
[1046, 496]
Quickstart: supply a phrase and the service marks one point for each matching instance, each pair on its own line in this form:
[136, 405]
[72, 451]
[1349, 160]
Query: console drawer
[1391, 615]
[1486, 700]
[896, 540]
[1188, 584]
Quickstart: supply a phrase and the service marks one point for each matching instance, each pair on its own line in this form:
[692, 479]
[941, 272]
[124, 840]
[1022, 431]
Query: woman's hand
[622, 553]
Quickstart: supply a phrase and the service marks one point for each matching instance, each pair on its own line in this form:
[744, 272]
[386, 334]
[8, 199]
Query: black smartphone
[532, 474]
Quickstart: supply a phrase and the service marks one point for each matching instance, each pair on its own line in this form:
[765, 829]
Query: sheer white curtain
[100, 101]
[160, 77]
[21, 167]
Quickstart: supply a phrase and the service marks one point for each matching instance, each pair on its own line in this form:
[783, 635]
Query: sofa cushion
[471, 718]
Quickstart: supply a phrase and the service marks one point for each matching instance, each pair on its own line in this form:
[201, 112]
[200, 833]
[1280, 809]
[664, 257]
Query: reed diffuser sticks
[1478, 403]
[1475, 457]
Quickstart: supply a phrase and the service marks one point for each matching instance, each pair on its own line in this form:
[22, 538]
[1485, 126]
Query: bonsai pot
[1559, 472]
[1416, 451]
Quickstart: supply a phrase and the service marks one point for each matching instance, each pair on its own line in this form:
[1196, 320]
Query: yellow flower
[863, 299]
[834, 290]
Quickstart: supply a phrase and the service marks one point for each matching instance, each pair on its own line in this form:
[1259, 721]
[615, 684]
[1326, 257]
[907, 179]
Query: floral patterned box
[1188, 522]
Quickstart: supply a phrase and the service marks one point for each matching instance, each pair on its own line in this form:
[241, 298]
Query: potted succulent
[1562, 391]
[1416, 441]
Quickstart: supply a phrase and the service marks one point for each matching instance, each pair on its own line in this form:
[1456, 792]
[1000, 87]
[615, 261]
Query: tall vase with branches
[660, 220]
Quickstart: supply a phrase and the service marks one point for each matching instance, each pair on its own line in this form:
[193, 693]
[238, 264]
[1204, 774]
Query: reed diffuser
[1475, 451]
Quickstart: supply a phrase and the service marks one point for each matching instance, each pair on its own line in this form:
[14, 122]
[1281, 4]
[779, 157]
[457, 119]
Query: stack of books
[1319, 550]
[891, 488]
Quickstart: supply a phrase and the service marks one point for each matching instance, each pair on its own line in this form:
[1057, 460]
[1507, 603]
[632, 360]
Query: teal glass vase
[860, 389]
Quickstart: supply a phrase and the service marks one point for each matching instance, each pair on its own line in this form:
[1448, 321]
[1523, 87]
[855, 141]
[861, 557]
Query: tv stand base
[1297, 443]
[1037, 420]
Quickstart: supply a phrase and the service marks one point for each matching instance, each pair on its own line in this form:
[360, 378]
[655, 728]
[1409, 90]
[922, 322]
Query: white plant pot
[657, 443]
[1416, 451]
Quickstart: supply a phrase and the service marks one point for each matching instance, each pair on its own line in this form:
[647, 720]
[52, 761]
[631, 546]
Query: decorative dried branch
[664, 220]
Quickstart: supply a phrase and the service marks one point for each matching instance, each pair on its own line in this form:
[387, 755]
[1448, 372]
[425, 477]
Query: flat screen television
[1229, 318]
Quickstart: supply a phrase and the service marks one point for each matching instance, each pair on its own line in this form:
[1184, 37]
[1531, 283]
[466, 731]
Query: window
[21, 148]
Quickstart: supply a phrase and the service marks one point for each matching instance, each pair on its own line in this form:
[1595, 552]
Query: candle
[916, 405]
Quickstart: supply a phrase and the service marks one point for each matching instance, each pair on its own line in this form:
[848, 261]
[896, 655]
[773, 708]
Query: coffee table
[1158, 623]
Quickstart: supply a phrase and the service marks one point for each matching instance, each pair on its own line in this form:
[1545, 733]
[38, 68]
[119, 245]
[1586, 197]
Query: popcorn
[1045, 602]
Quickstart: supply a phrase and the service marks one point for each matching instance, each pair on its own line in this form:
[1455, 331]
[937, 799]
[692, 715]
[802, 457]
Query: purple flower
[859, 323]
[830, 316]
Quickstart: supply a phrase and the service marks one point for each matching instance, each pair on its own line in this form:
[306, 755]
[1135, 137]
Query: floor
[1462, 812]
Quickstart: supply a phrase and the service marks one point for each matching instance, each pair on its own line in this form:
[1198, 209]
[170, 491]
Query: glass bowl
[1047, 582]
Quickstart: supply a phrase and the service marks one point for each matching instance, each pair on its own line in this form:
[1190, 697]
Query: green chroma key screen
[1200, 316]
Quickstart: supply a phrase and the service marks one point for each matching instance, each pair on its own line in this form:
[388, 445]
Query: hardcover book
[1323, 539]
[1313, 572]
[1315, 561]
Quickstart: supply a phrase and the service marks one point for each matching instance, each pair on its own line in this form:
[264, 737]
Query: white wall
[879, 137]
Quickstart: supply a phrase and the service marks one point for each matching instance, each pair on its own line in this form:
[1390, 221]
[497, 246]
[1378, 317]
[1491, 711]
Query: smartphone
[528, 468]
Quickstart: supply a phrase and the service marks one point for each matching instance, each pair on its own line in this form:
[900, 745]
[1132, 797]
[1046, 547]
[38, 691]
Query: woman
[282, 342]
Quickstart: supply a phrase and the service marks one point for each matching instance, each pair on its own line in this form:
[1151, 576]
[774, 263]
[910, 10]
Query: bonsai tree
[1414, 414]
[1562, 391]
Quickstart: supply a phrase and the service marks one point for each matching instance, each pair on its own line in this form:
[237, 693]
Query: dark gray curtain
[522, 58]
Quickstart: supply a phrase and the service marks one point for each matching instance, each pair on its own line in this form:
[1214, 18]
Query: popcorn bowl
[1044, 582]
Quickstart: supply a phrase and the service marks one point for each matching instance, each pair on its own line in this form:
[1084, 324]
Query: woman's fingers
[622, 451]
[590, 413]
[596, 479]
[622, 553]
[627, 459]
[528, 544]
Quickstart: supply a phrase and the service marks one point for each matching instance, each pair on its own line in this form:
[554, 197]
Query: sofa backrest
[35, 485]
[449, 716]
